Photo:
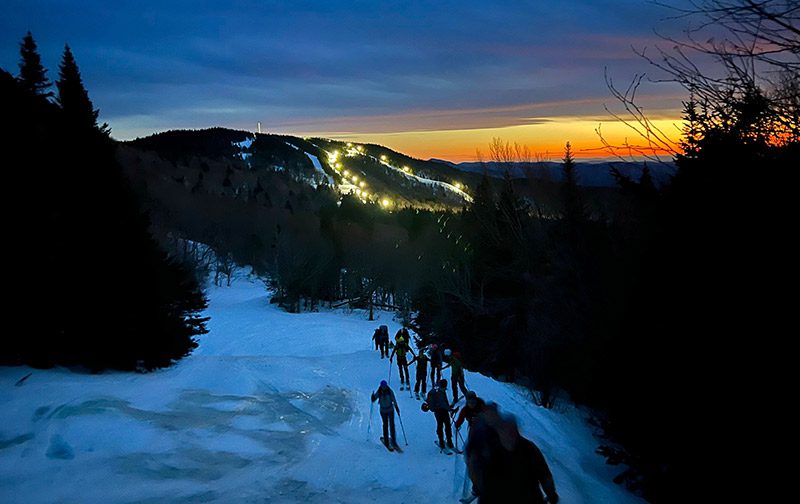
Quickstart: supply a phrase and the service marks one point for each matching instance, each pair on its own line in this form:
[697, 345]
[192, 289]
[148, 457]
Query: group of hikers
[503, 465]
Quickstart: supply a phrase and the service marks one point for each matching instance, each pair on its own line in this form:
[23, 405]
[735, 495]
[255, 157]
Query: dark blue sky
[343, 67]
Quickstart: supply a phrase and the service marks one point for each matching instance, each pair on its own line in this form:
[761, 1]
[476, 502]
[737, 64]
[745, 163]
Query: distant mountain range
[590, 174]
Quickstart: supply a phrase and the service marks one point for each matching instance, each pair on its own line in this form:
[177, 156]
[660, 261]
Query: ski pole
[390, 371]
[369, 427]
[402, 428]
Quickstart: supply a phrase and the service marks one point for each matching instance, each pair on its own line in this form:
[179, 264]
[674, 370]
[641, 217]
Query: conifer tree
[574, 210]
[72, 94]
[32, 75]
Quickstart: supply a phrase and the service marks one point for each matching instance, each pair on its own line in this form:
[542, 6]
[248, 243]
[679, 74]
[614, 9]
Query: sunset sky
[432, 79]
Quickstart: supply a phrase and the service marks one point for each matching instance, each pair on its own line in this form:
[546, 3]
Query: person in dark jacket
[456, 373]
[388, 405]
[504, 466]
[402, 349]
[474, 406]
[422, 373]
[376, 337]
[384, 341]
[438, 403]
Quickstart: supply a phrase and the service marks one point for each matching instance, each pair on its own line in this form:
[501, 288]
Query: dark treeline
[91, 287]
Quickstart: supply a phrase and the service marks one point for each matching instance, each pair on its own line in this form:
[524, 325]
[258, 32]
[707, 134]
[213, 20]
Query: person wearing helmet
[422, 373]
[388, 405]
[437, 402]
[474, 406]
[402, 348]
[456, 373]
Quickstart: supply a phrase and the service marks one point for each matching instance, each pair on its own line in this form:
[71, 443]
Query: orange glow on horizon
[545, 138]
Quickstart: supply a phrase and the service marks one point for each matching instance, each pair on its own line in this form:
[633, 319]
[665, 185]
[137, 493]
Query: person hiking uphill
[475, 405]
[422, 373]
[503, 465]
[437, 402]
[456, 373]
[388, 405]
[376, 337]
[402, 349]
[384, 341]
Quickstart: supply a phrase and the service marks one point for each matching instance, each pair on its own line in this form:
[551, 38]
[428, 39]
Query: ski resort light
[349, 144]
[362, 184]
[358, 191]
[355, 179]
[339, 165]
[406, 169]
[385, 202]
[360, 148]
[383, 157]
[458, 185]
[346, 173]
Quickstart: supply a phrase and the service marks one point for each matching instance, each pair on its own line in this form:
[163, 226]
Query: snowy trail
[272, 407]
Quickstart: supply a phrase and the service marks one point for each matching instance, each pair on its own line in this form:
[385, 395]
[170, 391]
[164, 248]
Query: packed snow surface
[272, 407]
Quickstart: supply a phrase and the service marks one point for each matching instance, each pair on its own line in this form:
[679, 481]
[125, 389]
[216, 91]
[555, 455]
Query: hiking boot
[417, 394]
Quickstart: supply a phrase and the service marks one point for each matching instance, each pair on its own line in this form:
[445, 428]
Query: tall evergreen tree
[72, 94]
[32, 75]
[574, 210]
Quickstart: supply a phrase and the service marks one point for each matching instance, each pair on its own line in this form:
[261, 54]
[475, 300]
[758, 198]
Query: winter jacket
[401, 348]
[385, 398]
[468, 413]
[437, 399]
[422, 364]
[457, 369]
[436, 358]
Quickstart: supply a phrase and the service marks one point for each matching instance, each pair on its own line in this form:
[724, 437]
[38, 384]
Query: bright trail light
[362, 184]
[346, 173]
[385, 202]
[406, 169]
[349, 144]
[383, 157]
[355, 179]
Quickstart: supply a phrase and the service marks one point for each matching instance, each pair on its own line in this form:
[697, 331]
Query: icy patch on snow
[59, 449]
[272, 407]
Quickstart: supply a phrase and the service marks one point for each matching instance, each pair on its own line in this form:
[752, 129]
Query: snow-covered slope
[272, 407]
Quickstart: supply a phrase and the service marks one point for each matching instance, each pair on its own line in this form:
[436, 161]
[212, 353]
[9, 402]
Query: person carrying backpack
[384, 341]
[402, 349]
[456, 373]
[376, 337]
[437, 402]
[388, 405]
[422, 373]
[503, 465]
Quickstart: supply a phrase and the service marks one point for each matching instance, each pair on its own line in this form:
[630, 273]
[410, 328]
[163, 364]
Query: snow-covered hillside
[272, 407]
